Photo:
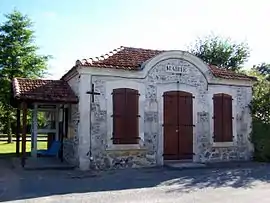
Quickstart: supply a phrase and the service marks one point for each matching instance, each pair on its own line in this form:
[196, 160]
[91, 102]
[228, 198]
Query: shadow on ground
[32, 184]
[243, 177]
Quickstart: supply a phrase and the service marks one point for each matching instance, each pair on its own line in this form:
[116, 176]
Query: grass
[6, 148]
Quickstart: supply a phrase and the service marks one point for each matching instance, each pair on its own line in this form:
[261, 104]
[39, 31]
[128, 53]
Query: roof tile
[130, 58]
[43, 90]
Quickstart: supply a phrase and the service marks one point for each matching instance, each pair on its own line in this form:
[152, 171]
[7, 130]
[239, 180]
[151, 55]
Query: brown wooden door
[178, 125]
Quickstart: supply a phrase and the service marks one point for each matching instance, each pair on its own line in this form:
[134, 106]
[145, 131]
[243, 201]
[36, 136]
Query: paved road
[249, 183]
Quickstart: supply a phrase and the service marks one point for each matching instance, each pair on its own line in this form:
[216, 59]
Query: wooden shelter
[51, 96]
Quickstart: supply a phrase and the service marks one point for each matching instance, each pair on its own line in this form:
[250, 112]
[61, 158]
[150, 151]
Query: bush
[261, 139]
[260, 108]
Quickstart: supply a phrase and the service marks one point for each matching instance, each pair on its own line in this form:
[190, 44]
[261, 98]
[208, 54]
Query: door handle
[177, 131]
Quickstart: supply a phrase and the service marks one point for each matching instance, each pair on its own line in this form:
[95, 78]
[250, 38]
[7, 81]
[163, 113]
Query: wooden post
[62, 133]
[24, 108]
[57, 122]
[18, 130]
[34, 132]
[57, 135]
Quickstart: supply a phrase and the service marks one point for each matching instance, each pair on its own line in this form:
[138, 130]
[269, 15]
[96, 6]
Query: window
[223, 131]
[125, 116]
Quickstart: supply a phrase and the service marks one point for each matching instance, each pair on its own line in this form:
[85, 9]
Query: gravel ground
[247, 183]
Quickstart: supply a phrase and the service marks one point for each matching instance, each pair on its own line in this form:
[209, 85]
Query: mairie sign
[181, 69]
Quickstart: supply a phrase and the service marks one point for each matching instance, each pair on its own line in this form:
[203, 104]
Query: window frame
[114, 84]
[128, 94]
[234, 113]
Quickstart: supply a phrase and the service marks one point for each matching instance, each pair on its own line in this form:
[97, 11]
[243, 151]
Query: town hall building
[139, 107]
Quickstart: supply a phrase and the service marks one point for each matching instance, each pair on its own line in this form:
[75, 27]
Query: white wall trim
[181, 55]
[84, 121]
[124, 83]
[161, 89]
[226, 90]
[223, 144]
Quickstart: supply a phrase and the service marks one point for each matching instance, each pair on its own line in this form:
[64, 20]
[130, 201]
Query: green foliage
[260, 105]
[18, 54]
[221, 52]
[18, 58]
[260, 137]
[263, 69]
[260, 108]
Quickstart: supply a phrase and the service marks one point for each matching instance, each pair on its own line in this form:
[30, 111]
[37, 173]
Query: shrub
[260, 137]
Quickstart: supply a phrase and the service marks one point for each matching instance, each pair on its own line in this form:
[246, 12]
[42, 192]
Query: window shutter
[125, 116]
[223, 131]
[218, 111]
[227, 118]
[132, 120]
[118, 115]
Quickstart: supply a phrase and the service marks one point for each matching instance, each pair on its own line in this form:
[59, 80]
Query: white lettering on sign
[177, 69]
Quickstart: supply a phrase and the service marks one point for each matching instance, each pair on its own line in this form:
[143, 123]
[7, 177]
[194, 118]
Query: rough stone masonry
[152, 82]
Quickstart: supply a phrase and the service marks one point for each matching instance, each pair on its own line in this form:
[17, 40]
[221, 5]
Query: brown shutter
[125, 116]
[223, 131]
[227, 118]
[218, 117]
[132, 119]
[118, 115]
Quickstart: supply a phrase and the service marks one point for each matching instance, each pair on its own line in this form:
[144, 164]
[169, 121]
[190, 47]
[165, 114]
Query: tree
[221, 52]
[263, 69]
[260, 108]
[261, 92]
[261, 97]
[18, 58]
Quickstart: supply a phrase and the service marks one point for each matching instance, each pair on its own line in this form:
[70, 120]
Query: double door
[178, 125]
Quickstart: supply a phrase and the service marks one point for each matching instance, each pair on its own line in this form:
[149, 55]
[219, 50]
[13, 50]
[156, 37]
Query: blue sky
[71, 30]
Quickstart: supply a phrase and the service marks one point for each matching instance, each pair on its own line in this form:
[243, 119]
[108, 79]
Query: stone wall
[70, 144]
[103, 154]
[241, 148]
[150, 149]
[70, 151]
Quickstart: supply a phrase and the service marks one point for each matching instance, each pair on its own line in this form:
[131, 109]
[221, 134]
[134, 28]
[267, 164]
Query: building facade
[141, 107]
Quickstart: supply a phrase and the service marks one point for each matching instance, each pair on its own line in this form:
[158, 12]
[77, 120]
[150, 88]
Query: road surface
[249, 183]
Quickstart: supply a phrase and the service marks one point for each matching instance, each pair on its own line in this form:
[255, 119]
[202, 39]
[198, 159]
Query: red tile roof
[228, 74]
[43, 90]
[122, 58]
[130, 58]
